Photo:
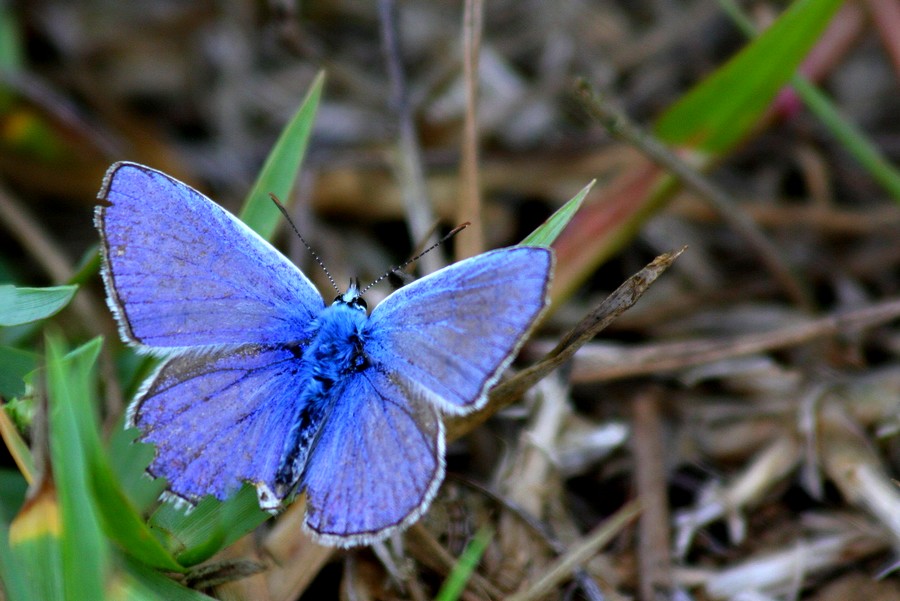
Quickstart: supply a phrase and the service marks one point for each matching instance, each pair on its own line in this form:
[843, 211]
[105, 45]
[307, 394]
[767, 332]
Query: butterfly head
[352, 297]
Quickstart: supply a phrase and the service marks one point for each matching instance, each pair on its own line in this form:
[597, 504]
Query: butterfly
[262, 383]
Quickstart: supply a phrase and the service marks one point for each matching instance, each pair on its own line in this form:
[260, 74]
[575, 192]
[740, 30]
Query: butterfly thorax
[337, 347]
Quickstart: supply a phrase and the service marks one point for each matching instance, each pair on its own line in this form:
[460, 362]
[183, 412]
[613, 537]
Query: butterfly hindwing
[377, 464]
[450, 334]
[219, 419]
[182, 272]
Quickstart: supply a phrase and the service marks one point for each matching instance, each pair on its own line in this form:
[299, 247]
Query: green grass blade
[455, 584]
[70, 391]
[13, 583]
[210, 527]
[31, 566]
[129, 460]
[122, 522]
[282, 166]
[24, 305]
[13, 575]
[547, 232]
[117, 515]
[852, 139]
[12, 491]
[722, 110]
[14, 365]
[141, 582]
[88, 267]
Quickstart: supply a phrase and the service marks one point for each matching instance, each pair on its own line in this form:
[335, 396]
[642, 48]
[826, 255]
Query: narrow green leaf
[282, 166]
[210, 526]
[31, 566]
[719, 112]
[129, 460]
[70, 391]
[88, 267]
[189, 529]
[14, 365]
[854, 141]
[455, 584]
[12, 491]
[547, 232]
[845, 131]
[122, 522]
[134, 369]
[13, 575]
[141, 582]
[24, 305]
[115, 511]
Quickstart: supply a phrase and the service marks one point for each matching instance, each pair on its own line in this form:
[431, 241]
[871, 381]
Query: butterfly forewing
[181, 272]
[452, 332]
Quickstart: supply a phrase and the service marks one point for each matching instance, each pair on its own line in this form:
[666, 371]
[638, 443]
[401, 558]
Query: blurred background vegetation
[733, 436]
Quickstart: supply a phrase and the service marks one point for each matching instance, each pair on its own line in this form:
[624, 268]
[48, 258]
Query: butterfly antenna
[315, 256]
[452, 233]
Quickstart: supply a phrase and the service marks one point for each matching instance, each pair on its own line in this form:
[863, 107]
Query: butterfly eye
[359, 303]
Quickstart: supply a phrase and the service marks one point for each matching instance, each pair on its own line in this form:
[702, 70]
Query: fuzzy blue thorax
[337, 344]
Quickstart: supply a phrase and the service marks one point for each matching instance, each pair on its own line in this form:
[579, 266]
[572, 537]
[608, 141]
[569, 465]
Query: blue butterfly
[264, 383]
